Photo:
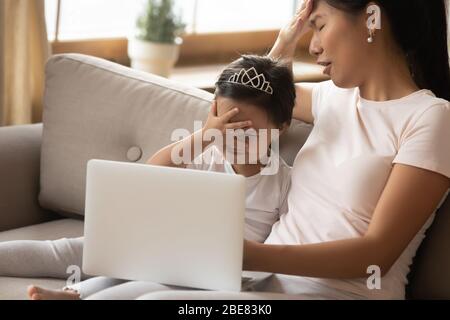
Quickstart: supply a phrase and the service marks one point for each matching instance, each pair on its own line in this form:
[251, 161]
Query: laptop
[167, 225]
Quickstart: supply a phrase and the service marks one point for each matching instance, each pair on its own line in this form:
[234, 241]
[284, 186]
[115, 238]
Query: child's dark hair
[278, 105]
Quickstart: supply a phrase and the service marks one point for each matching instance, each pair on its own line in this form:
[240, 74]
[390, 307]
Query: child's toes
[32, 290]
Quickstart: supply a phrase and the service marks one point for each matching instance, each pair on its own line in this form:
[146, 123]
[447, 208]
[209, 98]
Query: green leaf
[159, 23]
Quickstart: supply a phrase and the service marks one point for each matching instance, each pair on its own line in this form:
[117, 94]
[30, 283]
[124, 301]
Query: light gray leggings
[49, 259]
[40, 259]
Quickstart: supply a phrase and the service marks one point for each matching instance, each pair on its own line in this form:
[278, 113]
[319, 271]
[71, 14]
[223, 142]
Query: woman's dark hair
[420, 29]
[278, 105]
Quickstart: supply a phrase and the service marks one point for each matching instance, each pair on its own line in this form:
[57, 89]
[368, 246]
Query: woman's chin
[343, 83]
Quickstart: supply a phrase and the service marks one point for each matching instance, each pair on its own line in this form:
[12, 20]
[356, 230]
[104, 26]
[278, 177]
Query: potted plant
[156, 46]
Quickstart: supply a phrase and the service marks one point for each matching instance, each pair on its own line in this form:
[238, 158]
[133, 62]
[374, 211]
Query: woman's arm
[303, 102]
[284, 49]
[164, 157]
[409, 198]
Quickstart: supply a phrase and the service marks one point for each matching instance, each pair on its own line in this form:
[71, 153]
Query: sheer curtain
[24, 49]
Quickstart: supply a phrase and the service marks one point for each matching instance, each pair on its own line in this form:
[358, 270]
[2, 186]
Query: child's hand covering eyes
[223, 122]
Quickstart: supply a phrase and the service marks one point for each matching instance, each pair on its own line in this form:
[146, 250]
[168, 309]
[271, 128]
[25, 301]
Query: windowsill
[205, 76]
[197, 49]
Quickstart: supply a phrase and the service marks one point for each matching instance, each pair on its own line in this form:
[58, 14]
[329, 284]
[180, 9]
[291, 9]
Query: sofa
[98, 109]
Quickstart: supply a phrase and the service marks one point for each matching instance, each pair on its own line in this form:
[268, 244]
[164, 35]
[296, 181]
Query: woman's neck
[389, 79]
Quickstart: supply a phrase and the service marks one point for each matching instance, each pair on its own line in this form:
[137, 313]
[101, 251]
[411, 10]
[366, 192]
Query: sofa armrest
[430, 277]
[20, 148]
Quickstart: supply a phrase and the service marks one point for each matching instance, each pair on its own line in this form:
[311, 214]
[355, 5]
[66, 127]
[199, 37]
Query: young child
[257, 111]
[253, 103]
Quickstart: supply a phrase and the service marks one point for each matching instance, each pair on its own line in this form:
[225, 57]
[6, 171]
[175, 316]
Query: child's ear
[284, 127]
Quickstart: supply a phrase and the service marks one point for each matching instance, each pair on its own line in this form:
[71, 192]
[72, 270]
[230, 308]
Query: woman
[377, 164]
[366, 184]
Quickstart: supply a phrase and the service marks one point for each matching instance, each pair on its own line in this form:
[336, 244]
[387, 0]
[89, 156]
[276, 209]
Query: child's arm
[164, 157]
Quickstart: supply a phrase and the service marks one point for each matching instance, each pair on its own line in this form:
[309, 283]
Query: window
[240, 15]
[90, 19]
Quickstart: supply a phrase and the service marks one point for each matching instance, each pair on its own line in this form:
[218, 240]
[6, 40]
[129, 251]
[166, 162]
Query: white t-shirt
[266, 197]
[339, 174]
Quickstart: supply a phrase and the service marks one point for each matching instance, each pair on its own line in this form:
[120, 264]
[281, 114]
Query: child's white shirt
[266, 195]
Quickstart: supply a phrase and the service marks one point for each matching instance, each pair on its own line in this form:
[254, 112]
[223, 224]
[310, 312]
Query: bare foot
[38, 293]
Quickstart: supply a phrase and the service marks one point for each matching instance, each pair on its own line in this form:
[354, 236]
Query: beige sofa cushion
[16, 288]
[53, 230]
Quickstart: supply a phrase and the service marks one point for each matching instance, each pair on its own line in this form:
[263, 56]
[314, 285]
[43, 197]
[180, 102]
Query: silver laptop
[172, 226]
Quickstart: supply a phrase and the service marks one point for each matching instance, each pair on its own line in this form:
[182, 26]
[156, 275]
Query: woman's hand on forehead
[298, 26]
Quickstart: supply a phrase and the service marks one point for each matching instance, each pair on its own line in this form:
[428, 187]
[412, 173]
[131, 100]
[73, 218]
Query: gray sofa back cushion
[95, 109]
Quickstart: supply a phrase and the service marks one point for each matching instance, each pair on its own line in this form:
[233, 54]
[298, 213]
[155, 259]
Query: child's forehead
[226, 104]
